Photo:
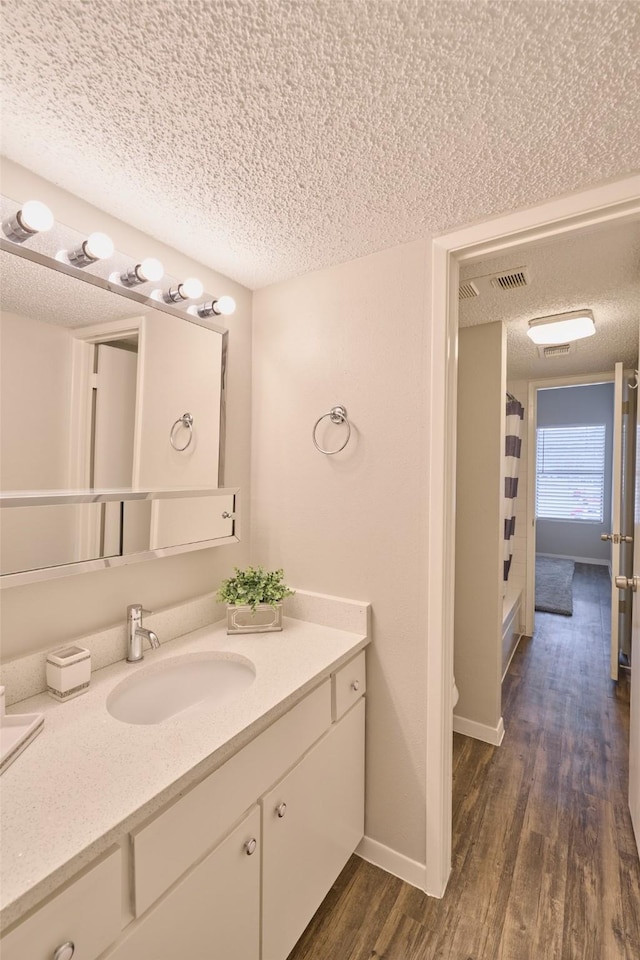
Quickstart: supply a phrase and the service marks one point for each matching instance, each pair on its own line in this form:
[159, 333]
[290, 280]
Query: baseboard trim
[393, 862]
[479, 731]
[565, 556]
[513, 653]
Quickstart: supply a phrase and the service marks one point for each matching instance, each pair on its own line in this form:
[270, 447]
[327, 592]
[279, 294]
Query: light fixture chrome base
[208, 309]
[174, 295]
[15, 230]
[80, 257]
[132, 277]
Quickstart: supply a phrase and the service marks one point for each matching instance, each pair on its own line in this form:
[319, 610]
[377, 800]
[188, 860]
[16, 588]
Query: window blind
[570, 472]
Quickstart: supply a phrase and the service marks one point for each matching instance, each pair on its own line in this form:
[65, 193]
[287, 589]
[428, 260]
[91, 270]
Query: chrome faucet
[136, 633]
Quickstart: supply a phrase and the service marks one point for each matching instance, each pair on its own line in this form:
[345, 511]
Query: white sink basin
[159, 691]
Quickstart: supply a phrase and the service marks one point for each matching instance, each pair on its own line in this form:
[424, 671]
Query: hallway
[544, 861]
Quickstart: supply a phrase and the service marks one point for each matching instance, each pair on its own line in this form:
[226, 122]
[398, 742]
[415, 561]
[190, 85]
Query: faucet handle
[137, 610]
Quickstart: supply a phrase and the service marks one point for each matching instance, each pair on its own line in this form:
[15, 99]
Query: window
[570, 469]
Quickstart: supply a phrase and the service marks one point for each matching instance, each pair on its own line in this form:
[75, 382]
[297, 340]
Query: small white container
[68, 672]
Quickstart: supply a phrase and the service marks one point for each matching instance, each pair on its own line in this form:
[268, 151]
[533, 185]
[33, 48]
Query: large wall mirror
[112, 414]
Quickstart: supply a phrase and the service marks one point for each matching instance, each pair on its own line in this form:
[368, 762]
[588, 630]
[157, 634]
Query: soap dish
[17, 730]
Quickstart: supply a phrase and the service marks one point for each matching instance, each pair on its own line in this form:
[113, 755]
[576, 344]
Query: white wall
[355, 524]
[592, 403]
[35, 371]
[479, 524]
[40, 616]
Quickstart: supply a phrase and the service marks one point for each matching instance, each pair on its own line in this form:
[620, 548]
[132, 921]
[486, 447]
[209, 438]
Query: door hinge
[625, 408]
[622, 606]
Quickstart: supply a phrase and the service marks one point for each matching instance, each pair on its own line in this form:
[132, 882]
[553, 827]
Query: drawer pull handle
[281, 809]
[65, 951]
[250, 846]
[355, 685]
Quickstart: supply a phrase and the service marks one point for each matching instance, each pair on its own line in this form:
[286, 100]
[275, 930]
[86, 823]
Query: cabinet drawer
[213, 912]
[87, 913]
[349, 684]
[168, 845]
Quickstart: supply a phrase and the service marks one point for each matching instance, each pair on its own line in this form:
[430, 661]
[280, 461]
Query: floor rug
[554, 585]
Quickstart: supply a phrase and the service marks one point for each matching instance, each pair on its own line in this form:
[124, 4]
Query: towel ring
[187, 421]
[336, 415]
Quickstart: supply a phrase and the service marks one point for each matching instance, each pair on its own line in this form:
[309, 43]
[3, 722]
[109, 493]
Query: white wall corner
[393, 862]
[479, 731]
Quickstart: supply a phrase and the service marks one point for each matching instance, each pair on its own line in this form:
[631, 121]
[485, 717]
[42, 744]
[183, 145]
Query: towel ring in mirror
[186, 420]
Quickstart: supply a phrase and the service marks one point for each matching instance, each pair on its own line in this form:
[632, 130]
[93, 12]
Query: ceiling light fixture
[223, 306]
[34, 217]
[562, 328]
[97, 246]
[149, 270]
[190, 289]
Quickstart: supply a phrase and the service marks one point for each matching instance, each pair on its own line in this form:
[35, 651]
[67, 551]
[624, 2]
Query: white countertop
[89, 778]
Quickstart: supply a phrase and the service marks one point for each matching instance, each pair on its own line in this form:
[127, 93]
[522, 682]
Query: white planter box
[264, 619]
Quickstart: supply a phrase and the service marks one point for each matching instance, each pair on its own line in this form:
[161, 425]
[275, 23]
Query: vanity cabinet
[234, 868]
[214, 911]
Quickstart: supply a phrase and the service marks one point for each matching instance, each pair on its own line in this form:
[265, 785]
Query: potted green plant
[254, 600]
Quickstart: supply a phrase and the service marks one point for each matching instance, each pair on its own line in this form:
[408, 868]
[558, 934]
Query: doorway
[569, 216]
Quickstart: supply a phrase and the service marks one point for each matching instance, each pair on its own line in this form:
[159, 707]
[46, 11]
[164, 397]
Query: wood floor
[544, 861]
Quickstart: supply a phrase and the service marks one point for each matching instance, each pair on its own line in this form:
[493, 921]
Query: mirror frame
[42, 251]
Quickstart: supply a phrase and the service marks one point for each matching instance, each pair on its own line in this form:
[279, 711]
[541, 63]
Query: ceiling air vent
[511, 280]
[467, 290]
[557, 350]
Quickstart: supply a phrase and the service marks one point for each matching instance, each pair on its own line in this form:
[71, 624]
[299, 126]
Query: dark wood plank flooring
[544, 861]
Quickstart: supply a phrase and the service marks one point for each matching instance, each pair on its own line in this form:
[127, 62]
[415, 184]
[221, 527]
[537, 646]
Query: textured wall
[592, 403]
[40, 616]
[355, 524]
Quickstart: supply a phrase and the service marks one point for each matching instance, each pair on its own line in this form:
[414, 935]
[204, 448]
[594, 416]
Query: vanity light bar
[223, 306]
[149, 270]
[97, 246]
[190, 289]
[34, 217]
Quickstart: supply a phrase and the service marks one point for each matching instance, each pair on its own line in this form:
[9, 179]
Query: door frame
[569, 215]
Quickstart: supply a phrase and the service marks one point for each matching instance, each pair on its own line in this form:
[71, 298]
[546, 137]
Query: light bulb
[98, 246]
[225, 306]
[34, 217]
[150, 269]
[190, 289]
[215, 308]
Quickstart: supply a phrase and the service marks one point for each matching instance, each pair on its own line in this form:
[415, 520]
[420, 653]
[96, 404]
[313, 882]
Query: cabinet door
[211, 914]
[180, 371]
[312, 822]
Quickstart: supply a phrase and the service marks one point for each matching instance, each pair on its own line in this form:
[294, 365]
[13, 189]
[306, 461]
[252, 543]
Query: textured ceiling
[599, 269]
[267, 138]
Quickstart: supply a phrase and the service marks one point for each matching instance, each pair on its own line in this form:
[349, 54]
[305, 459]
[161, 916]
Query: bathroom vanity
[213, 834]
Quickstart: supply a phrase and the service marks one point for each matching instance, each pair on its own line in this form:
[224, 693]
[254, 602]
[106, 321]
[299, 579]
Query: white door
[621, 536]
[634, 736]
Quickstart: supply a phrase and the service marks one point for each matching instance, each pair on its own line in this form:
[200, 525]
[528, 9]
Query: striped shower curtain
[513, 445]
